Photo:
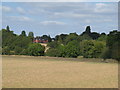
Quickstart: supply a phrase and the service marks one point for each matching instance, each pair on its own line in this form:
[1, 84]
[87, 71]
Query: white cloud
[52, 23]
[6, 9]
[20, 18]
[105, 8]
[87, 21]
[70, 15]
[20, 10]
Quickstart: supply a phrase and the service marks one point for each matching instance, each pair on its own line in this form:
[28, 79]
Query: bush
[18, 50]
[72, 49]
[91, 48]
[35, 49]
[53, 52]
[106, 54]
[56, 52]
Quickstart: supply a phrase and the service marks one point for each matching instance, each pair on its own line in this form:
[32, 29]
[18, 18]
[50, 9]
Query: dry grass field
[45, 72]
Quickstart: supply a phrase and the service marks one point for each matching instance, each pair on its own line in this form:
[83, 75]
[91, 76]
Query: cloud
[70, 15]
[59, 17]
[105, 8]
[6, 9]
[19, 18]
[52, 23]
[20, 10]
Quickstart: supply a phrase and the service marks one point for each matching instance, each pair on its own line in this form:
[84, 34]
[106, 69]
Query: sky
[53, 18]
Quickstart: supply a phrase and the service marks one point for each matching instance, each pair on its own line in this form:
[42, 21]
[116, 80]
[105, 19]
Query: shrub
[72, 49]
[35, 49]
[56, 52]
[106, 54]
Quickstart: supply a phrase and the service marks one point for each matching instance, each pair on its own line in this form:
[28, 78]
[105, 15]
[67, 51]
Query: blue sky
[52, 18]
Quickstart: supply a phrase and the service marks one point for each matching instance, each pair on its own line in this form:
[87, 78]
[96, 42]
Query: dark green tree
[23, 33]
[95, 35]
[72, 49]
[87, 31]
[36, 49]
[8, 28]
[31, 34]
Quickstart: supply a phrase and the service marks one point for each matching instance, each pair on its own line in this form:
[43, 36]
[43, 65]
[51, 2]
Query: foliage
[12, 43]
[72, 49]
[106, 54]
[91, 49]
[102, 38]
[23, 33]
[7, 28]
[31, 34]
[35, 49]
[46, 38]
[53, 44]
[88, 44]
[70, 37]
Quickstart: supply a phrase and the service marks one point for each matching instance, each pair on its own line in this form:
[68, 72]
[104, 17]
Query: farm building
[40, 40]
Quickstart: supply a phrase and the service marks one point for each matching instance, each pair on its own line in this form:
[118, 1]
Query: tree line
[88, 44]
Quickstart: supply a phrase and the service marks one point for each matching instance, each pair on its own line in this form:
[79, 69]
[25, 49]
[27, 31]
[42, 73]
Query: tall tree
[87, 31]
[8, 28]
[23, 33]
[31, 34]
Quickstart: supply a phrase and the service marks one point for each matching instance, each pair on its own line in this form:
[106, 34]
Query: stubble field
[46, 72]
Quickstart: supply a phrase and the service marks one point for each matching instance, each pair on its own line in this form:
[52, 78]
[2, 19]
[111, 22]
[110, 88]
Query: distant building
[40, 40]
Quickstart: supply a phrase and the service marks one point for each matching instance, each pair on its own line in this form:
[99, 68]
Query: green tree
[18, 50]
[95, 35]
[6, 51]
[53, 44]
[23, 33]
[102, 38]
[71, 37]
[31, 34]
[113, 43]
[87, 31]
[36, 49]
[72, 49]
[106, 54]
[8, 28]
[86, 47]
[46, 37]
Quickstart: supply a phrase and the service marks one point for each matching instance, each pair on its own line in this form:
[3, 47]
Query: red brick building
[40, 40]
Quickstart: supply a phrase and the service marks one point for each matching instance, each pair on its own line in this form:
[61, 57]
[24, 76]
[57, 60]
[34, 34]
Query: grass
[46, 72]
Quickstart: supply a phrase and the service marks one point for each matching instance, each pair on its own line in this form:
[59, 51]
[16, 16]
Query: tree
[85, 37]
[6, 51]
[7, 28]
[95, 35]
[70, 37]
[86, 47]
[23, 33]
[106, 54]
[18, 50]
[46, 37]
[36, 49]
[72, 49]
[102, 38]
[113, 43]
[53, 44]
[87, 31]
[31, 34]
[91, 48]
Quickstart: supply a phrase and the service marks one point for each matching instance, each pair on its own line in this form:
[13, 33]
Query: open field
[45, 72]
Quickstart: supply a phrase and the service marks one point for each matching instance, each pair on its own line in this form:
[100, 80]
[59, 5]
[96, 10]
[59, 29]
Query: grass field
[46, 72]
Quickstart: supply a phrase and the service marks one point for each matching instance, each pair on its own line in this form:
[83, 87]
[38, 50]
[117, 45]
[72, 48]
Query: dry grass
[40, 72]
